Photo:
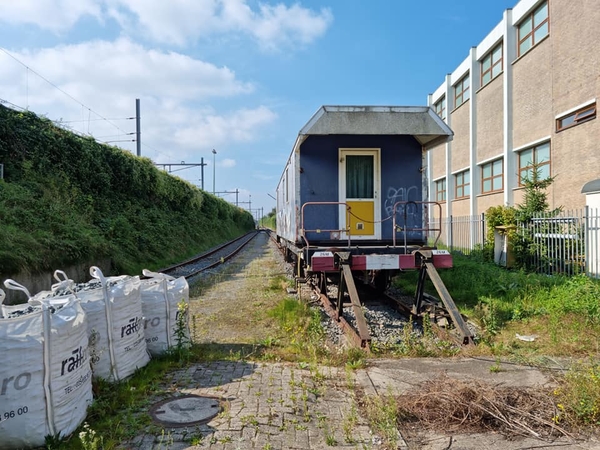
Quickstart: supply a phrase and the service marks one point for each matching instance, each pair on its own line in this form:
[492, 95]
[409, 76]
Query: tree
[536, 197]
[535, 203]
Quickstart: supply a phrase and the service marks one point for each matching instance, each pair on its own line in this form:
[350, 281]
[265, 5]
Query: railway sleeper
[444, 311]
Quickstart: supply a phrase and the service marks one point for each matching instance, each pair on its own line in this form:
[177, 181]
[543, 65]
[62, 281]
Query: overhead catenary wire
[90, 110]
[95, 120]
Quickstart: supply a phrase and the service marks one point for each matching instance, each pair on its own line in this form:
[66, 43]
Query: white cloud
[227, 163]
[213, 130]
[108, 76]
[129, 67]
[179, 22]
[54, 15]
[112, 73]
[281, 24]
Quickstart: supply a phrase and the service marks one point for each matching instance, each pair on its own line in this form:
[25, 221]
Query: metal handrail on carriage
[405, 229]
[319, 230]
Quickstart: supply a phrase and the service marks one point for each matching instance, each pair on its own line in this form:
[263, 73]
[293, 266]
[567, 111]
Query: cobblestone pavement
[268, 406]
[285, 406]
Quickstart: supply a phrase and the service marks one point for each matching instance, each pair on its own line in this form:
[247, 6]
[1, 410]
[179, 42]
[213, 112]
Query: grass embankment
[66, 199]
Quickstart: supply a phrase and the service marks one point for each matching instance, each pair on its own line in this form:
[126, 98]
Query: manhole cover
[185, 410]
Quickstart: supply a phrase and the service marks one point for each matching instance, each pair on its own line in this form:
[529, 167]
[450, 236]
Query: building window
[534, 157]
[576, 117]
[440, 108]
[461, 91]
[440, 190]
[533, 28]
[492, 176]
[462, 184]
[491, 65]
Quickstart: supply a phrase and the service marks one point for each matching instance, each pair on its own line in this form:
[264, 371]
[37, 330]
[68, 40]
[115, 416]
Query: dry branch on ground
[470, 406]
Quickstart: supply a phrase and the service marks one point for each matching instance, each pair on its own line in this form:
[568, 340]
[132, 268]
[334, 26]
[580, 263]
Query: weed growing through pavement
[330, 439]
[196, 439]
[165, 439]
[182, 331]
[349, 423]
[356, 358]
[249, 420]
[496, 367]
[349, 378]
[317, 374]
[382, 412]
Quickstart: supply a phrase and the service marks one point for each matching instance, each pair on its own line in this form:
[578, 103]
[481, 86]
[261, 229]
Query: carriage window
[287, 186]
[359, 176]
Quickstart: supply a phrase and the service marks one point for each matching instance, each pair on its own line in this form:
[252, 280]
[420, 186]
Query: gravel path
[231, 309]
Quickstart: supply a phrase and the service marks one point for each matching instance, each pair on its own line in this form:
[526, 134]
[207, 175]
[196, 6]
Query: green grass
[563, 312]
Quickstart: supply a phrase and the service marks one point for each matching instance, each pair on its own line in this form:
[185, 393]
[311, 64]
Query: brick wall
[490, 119]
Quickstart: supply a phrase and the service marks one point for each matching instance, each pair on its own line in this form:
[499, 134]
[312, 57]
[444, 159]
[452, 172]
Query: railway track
[364, 315]
[358, 304]
[211, 258]
[380, 318]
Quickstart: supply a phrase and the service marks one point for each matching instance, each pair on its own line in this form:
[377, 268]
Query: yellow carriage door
[359, 190]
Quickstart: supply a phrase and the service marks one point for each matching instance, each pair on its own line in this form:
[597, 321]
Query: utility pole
[168, 167]
[249, 203]
[214, 152]
[202, 170]
[138, 131]
[236, 192]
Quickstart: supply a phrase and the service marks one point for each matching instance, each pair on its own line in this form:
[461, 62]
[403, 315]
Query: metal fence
[463, 233]
[564, 243]
[557, 242]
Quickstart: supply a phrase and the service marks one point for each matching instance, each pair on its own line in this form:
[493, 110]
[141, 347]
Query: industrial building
[526, 94]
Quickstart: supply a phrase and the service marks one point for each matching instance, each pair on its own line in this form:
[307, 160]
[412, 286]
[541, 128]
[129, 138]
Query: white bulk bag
[161, 295]
[115, 324]
[45, 377]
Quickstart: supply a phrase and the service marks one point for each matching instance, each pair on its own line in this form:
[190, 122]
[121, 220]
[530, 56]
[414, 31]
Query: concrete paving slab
[403, 375]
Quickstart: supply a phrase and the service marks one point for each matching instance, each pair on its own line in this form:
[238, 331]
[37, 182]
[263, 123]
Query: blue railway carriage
[356, 181]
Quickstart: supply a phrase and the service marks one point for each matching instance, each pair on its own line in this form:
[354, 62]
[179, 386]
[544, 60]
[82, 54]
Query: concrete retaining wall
[36, 282]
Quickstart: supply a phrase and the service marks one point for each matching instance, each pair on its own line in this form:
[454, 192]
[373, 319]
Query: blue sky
[238, 76]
